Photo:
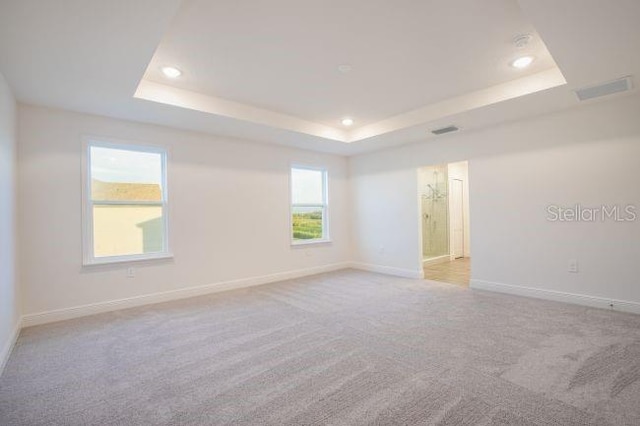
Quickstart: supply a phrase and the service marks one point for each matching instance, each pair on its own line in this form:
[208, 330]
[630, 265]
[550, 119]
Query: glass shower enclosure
[434, 199]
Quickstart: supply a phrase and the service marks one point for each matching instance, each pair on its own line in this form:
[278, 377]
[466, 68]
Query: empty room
[355, 212]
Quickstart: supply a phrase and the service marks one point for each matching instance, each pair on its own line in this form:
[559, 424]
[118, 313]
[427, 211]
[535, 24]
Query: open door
[457, 218]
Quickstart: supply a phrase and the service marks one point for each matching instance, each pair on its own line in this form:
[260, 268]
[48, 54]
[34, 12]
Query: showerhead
[435, 194]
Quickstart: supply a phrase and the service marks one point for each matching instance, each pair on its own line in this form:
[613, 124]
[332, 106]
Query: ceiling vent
[616, 86]
[444, 130]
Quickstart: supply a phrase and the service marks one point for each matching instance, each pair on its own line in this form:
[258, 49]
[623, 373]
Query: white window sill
[310, 242]
[126, 259]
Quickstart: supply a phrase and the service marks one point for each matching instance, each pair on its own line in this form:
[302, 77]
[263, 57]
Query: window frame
[325, 206]
[88, 254]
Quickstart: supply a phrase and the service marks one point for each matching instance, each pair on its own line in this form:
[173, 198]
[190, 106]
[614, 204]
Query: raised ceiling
[268, 71]
[284, 55]
[278, 63]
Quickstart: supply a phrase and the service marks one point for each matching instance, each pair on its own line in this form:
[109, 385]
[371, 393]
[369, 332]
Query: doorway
[444, 211]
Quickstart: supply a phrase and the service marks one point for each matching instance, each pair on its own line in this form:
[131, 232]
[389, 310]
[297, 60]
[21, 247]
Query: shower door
[435, 211]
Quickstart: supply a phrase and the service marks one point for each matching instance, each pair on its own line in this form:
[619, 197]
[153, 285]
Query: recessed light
[344, 68]
[522, 62]
[347, 122]
[171, 72]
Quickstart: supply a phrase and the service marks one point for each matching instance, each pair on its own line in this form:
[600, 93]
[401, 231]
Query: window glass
[308, 204]
[126, 205]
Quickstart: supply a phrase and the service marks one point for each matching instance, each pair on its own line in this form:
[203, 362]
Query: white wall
[385, 212]
[219, 185]
[229, 211]
[587, 154]
[9, 297]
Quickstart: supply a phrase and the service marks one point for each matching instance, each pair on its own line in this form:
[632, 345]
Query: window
[308, 205]
[125, 199]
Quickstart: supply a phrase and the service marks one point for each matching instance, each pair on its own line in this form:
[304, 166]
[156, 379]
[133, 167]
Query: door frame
[452, 255]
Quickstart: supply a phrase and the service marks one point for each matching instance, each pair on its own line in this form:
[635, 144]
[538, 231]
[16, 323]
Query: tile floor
[455, 272]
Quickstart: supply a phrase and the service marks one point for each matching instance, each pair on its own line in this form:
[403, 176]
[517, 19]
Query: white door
[457, 218]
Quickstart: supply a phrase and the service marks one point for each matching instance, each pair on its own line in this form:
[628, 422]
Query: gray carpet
[344, 348]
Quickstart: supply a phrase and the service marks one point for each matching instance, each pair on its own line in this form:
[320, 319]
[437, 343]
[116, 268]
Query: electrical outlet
[131, 273]
[573, 266]
[308, 253]
[381, 249]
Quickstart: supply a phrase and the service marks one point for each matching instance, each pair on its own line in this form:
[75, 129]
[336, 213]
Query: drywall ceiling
[285, 55]
[268, 71]
[410, 62]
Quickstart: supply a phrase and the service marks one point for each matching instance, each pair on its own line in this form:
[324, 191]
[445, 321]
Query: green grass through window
[307, 226]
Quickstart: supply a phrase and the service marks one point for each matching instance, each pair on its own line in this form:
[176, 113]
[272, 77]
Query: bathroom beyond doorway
[444, 211]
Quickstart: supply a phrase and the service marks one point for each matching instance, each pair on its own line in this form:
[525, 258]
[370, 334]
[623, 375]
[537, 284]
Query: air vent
[444, 130]
[616, 86]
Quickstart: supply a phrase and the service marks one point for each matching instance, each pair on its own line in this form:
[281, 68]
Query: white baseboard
[389, 270]
[8, 346]
[148, 299]
[558, 296]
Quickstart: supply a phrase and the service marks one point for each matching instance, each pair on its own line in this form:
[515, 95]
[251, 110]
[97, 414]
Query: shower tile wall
[435, 203]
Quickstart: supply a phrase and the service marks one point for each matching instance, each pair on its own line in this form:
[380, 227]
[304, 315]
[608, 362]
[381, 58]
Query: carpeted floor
[344, 348]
